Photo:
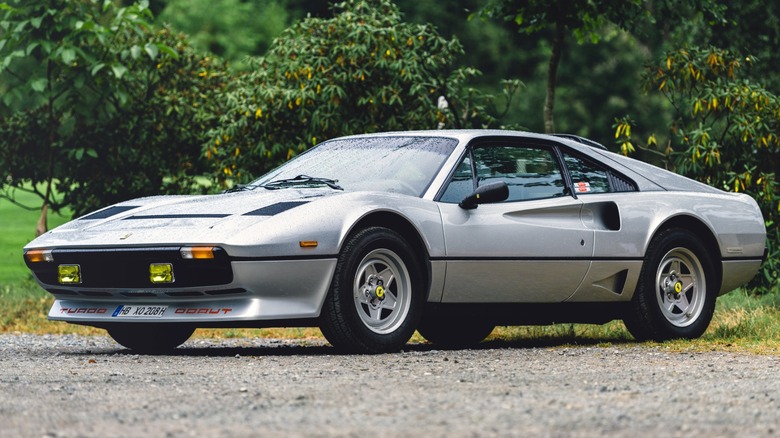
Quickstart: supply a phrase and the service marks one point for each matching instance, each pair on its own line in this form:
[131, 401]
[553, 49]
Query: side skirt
[534, 313]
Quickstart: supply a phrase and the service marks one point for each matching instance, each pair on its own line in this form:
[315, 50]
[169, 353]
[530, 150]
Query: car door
[619, 220]
[533, 247]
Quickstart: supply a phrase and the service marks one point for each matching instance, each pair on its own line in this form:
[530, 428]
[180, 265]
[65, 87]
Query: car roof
[649, 177]
[466, 135]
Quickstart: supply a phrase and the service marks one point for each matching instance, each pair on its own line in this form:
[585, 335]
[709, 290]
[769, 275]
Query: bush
[724, 133]
[151, 144]
[98, 102]
[364, 70]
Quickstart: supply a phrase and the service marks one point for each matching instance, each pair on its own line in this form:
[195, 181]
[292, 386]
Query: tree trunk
[43, 222]
[42, 225]
[552, 73]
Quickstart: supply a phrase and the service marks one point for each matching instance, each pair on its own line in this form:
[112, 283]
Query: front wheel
[376, 295]
[150, 338]
[675, 297]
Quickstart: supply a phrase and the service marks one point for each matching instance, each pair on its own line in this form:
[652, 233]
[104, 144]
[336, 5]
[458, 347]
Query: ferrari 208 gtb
[372, 237]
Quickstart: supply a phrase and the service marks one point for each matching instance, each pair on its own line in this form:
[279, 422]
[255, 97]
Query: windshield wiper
[302, 180]
[240, 188]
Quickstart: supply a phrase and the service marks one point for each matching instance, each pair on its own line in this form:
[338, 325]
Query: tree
[151, 144]
[753, 27]
[90, 91]
[363, 70]
[583, 18]
[57, 60]
[724, 132]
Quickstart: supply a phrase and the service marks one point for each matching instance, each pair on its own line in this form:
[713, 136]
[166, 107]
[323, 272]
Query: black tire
[676, 293]
[376, 296]
[454, 331]
[150, 338]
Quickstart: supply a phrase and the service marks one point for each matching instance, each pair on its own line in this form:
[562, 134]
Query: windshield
[390, 164]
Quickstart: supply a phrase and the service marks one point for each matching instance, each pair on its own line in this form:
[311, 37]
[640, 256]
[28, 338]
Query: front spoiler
[251, 309]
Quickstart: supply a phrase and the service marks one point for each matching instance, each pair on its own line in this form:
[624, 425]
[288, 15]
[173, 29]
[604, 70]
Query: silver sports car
[372, 237]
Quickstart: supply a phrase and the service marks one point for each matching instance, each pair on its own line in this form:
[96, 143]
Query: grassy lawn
[18, 228]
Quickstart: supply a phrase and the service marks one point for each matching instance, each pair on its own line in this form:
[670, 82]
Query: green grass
[742, 323]
[17, 228]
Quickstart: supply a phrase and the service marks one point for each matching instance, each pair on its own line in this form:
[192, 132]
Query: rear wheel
[376, 295]
[675, 297]
[150, 338]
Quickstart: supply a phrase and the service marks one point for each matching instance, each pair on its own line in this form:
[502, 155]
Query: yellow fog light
[197, 252]
[161, 273]
[69, 274]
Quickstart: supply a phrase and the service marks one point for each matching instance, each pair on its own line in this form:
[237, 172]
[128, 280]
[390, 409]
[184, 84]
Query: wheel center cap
[379, 292]
[678, 287]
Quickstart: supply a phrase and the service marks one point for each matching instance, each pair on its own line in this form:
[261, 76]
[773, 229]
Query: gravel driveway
[89, 386]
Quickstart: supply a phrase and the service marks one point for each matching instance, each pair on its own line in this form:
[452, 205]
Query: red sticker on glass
[582, 187]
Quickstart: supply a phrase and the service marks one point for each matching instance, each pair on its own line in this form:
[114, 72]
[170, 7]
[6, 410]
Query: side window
[586, 177]
[530, 173]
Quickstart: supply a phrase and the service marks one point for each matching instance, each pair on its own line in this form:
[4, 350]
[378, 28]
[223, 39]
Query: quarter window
[586, 177]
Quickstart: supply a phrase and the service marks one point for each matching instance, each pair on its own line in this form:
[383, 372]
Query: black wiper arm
[303, 179]
[240, 188]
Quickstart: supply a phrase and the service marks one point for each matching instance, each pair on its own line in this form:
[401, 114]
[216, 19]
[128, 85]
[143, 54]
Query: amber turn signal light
[39, 255]
[197, 252]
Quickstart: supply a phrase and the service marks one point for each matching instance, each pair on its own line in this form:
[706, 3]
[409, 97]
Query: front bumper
[260, 290]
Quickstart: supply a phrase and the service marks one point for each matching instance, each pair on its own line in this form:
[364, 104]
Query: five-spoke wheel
[382, 291]
[681, 287]
[674, 297]
[376, 295]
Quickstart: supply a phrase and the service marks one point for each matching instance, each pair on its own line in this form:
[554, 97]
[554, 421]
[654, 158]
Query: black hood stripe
[269, 210]
[108, 212]
[177, 216]
[275, 209]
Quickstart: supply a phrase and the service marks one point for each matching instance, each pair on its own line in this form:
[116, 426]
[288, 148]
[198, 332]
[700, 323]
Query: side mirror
[489, 193]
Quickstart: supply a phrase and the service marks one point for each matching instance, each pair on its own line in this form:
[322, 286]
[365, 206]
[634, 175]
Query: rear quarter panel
[734, 220]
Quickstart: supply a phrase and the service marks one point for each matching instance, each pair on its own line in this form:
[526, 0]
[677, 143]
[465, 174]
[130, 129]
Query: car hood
[178, 219]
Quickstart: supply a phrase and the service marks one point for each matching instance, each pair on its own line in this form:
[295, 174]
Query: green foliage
[724, 132]
[752, 26]
[151, 144]
[57, 60]
[584, 18]
[100, 102]
[231, 29]
[363, 70]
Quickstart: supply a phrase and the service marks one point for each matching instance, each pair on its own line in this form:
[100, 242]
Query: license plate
[137, 311]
